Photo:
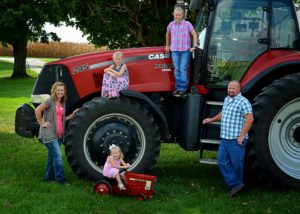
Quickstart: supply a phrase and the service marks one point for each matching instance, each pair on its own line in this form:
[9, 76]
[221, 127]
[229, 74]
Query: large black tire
[101, 122]
[274, 147]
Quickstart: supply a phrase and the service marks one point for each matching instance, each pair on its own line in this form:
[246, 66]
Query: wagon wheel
[102, 188]
[141, 197]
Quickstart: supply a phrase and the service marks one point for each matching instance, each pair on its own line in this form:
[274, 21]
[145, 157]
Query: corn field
[53, 49]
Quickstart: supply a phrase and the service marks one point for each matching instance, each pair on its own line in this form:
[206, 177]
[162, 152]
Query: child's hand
[127, 165]
[107, 70]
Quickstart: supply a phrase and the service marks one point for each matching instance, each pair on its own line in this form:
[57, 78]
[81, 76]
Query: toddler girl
[115, 77]
[114, 163]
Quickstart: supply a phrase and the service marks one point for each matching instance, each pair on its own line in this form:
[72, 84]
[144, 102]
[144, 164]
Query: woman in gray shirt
[51, 117]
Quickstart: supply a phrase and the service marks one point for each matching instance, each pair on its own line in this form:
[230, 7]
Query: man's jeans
[55, 168]
[231, 162]
[181, 60]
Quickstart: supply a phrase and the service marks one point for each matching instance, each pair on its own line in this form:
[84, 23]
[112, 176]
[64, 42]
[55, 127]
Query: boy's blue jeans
[181, 60]
[231, 162]
[54, 168]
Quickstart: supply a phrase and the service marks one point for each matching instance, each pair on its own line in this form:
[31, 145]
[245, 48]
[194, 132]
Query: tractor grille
[51, 74]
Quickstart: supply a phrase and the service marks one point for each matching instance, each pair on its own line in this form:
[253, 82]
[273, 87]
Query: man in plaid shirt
[236, 120]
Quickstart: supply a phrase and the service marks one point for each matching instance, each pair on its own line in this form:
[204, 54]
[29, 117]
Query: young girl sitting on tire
[115, 77]
[114, 163]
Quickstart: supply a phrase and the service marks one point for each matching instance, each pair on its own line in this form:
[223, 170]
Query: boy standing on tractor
[178, 40]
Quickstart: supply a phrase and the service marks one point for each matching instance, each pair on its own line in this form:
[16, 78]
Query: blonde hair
[178, 9]
[53, 91]
[113, 147]
[118, 54]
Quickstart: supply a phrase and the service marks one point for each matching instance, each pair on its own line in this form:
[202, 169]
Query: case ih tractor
[255, 42]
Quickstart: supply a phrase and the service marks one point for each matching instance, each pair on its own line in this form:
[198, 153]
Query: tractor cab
[238, 32]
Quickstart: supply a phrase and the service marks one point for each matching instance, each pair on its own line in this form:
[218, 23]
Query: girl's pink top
[180, 35]
[59, 120]
[107, 166]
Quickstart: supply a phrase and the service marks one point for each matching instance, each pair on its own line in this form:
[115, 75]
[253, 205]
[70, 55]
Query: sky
[67, 34]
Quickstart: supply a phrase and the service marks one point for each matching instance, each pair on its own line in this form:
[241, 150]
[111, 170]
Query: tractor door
[239, 33]
[201, 28]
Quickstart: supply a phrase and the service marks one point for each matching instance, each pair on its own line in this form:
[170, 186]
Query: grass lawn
[183, 186]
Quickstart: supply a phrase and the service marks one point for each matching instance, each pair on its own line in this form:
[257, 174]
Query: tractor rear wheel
[102, 122]
[274, 147]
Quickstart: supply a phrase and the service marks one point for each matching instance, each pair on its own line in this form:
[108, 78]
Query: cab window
[234, 42]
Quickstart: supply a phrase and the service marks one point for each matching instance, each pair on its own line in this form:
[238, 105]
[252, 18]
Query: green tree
[121, 24]
[22, 21]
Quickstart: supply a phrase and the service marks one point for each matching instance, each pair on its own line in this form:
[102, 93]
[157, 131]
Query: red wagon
[138, 185]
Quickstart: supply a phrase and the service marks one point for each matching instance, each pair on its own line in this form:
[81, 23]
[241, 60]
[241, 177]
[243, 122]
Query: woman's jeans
[181, 60]
[54, 168]
[231, 161]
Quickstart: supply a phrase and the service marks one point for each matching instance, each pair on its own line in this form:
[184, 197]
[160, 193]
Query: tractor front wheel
[102, 122]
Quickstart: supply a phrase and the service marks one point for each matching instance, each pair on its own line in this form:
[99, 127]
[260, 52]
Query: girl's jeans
[54, 168]
[231, 161]
[181, 60]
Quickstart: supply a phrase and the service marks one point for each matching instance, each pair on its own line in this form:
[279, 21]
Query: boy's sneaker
[182, 93]
[175, 93]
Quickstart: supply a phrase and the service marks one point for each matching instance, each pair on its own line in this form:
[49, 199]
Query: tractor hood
[150, 70]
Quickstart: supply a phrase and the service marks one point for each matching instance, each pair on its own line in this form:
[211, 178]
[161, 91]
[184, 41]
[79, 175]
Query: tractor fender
[268, 75]
[157, 113]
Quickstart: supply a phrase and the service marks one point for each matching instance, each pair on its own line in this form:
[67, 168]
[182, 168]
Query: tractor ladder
[210, 134]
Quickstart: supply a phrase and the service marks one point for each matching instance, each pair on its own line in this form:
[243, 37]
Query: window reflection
[234, 43]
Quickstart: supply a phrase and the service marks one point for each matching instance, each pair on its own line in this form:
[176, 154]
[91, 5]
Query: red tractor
[138, 185]
[256, 42]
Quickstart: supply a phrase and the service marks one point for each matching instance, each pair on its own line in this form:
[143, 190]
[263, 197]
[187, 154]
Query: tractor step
[215, 103]
[210, 141]
[208, 161]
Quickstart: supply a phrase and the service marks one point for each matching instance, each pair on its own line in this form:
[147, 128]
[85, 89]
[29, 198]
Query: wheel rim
[118, 129]
[141, 198]
[284, 139]
[102, 189]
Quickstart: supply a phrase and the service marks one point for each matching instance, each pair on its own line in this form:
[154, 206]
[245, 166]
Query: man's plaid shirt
[233, 119]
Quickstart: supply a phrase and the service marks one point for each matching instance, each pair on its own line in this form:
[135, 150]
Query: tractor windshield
[239, 34]
[284, 25]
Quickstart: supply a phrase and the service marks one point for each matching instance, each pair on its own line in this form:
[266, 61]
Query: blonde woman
[51, 117]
